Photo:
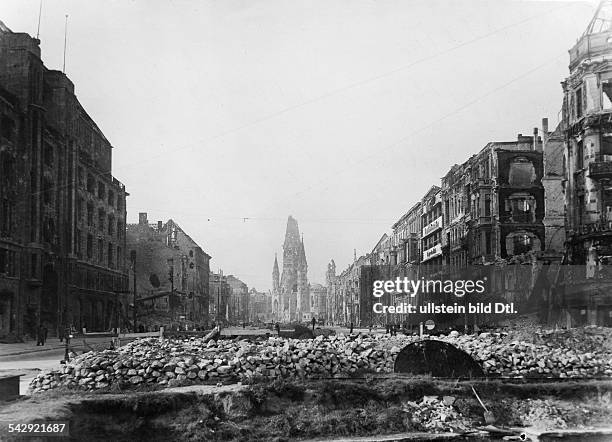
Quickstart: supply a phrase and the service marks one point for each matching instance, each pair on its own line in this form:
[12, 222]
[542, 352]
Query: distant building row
[542, 199]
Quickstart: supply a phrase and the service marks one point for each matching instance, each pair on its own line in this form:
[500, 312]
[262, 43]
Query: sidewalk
[29, 347]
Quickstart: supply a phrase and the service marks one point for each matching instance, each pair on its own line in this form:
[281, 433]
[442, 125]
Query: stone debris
[542, 415]
[176, 362]
[435, 414]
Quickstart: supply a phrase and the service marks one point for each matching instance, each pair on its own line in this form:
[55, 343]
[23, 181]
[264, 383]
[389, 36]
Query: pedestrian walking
[351, 332]
[314, 321]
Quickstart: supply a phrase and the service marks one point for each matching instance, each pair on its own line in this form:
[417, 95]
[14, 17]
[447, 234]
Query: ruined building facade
[291, 293]
[172, 274]
[62, 213]
[587, 129]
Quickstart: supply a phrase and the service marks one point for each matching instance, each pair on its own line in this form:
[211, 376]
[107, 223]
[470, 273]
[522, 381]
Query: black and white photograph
[306, 220]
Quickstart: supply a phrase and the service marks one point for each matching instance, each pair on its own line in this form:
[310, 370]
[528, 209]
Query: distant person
[141, 328]
[277, 327]
[44, 336]
[314, 321]
[351, 332]
[386, 329]
[39, 336]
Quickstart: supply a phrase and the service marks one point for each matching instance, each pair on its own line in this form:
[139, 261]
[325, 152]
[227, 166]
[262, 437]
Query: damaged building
[171, 272]
[506, 200]
[587, 129]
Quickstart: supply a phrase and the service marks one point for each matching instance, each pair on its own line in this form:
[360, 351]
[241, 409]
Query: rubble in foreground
[157, 362]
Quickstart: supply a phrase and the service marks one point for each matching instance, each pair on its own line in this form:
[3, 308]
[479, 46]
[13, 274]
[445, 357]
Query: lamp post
[171, 279]
[133, 260]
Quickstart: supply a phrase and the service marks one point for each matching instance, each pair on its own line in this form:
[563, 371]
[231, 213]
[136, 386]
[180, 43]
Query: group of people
[391, 329]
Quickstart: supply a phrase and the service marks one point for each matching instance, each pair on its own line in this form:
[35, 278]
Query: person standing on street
[39, 336]
[314, 321]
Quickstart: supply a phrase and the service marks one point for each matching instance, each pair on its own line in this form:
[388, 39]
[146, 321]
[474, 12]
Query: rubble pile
[436, 414]
[542, 414]
[518, 358]
[174, 362]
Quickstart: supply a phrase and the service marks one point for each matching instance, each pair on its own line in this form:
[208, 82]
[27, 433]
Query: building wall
[58, 143]
[239, 300]
[163, 248]
[220, 293]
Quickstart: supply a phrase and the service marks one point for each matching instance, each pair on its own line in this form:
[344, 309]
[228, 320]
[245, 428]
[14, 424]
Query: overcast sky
[229, 115]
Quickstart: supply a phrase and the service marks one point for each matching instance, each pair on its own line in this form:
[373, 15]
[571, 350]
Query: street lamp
[171, 279]
[133, 260]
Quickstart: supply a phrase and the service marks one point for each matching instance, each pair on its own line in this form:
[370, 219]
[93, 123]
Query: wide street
[29, 359]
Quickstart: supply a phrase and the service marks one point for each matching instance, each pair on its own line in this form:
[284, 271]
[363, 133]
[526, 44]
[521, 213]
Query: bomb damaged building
[62, 213]
[172, 274]
[290, 289]
[587, 127]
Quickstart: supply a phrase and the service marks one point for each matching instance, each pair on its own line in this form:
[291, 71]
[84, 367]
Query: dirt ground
[283, 411]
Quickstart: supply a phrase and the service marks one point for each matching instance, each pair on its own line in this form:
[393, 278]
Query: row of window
[108, 259]
[95, 280]
[98, 188]
[104, 223]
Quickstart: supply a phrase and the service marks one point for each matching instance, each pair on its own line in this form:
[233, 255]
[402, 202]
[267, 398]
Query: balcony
[432, 252]
[600, 169]
[432, 226]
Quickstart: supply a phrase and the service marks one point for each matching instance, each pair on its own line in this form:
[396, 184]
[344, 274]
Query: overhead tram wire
[348, 87]
[403, 139]
[321, 97]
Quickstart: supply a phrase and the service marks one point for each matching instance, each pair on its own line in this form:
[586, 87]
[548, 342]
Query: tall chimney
[142, 218]
[544, 127]
[535, 139]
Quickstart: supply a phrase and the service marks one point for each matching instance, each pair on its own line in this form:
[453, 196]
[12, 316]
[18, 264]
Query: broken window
[110, 254]
[606, 147]
[91, 183]
[101, 190]
[579, 154]
[48, 230]
[522, 172]
[90, 213]
[606, 95]
[101, 216]
[521, 207]
[100, 251]
[520, 242]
